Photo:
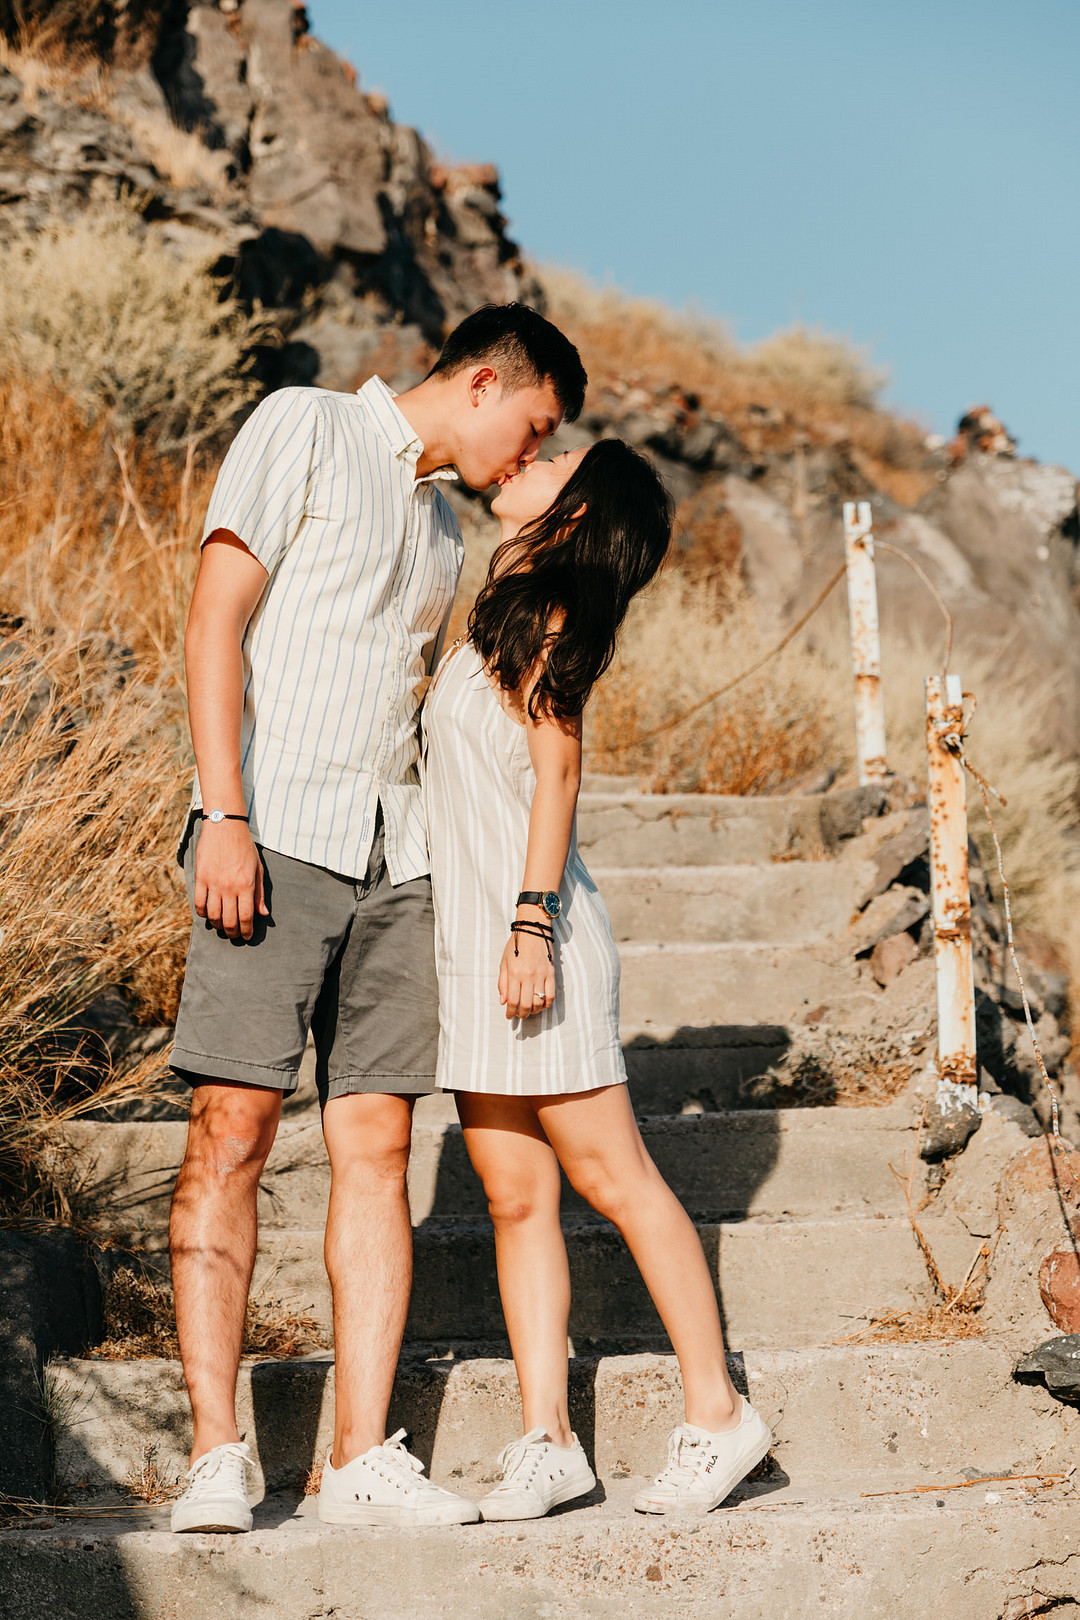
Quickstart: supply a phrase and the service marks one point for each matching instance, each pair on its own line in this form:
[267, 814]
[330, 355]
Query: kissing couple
[428, 921]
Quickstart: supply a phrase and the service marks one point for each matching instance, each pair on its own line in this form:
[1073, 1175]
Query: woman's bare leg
[520, 1173]
[596, 1138]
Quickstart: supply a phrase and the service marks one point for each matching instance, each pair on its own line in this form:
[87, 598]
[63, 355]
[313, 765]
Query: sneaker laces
[523, 1457]
[401, 1463]
[230, 1462]
[680, 1469]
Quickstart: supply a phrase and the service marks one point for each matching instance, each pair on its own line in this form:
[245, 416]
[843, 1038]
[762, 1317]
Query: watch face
[551, 903]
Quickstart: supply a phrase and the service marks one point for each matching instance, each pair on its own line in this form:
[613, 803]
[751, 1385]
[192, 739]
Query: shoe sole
[641, 1505]
[212, 1527]
[371, 1515]
[567, 1494]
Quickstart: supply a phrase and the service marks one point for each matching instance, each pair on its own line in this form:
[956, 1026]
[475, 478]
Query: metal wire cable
[669, 725]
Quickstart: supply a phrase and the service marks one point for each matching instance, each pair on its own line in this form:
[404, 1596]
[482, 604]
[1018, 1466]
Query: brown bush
[683, 640]
[797, 384]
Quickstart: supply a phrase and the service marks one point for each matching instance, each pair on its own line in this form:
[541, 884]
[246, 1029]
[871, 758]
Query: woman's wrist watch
[546, 899]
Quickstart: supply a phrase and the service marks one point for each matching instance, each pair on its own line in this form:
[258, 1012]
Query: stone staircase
[739, 923]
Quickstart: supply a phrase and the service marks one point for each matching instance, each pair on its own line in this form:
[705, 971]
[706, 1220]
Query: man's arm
[228, 872]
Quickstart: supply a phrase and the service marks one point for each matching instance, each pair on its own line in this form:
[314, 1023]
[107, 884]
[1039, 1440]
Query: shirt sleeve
[267, 480]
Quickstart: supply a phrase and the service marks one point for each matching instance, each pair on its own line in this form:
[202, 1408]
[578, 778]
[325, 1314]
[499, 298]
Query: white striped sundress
[478, 784]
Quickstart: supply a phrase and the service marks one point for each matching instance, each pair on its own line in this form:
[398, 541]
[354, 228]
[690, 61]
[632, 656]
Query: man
[329, 563]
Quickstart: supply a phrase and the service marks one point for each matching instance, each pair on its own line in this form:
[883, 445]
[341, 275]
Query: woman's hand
[527, 980]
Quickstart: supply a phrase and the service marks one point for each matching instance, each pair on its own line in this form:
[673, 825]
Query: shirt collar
[379, 402]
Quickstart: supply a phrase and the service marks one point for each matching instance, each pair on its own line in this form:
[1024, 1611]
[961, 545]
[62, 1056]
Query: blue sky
[906, 175]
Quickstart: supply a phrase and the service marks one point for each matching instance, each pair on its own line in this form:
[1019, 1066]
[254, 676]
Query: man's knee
[232, 1128]
[368, 1137]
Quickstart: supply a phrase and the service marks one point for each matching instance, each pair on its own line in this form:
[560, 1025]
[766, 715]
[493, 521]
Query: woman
[529, 991]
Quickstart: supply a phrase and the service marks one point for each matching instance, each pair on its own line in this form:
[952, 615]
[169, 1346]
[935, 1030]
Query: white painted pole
[949, 887]
[865, 641]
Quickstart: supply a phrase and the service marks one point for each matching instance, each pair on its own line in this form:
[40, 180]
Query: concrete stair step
[678, 983]
[783, 1283]
[696, 829]
[794, 903]
[841, 1414]
[800, 1162]
[776, 1554]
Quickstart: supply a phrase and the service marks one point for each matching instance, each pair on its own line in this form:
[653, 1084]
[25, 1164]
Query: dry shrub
[131, 330]
[44, 59]
[147, 1480]
[812, 365]
[707, 536]
[180, 156]
[89, 802]
[140, 1323]
[96, 536]
[919, 1327]
[840, 1068]
[682, 641]
[796, 384]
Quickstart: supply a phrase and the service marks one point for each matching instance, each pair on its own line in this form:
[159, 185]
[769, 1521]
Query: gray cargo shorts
[351, 959]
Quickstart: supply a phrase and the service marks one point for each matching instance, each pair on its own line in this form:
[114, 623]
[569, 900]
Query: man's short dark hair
[524, 348]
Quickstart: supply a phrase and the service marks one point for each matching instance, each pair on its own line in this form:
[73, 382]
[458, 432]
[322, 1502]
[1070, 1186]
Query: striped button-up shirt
[363, 559]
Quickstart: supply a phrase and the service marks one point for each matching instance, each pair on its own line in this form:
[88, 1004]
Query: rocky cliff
[234, 131]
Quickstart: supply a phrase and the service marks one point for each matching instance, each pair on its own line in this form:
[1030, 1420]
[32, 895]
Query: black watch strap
[547, 899]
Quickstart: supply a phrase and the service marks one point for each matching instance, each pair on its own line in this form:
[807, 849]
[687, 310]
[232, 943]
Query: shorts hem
[193, 1066]
[390, 1085]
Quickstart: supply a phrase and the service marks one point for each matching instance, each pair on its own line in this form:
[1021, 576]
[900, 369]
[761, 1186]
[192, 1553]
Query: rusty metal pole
[950, 891]
[865, 642]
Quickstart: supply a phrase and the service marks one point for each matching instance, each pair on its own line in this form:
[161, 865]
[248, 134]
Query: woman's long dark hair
[563, 585]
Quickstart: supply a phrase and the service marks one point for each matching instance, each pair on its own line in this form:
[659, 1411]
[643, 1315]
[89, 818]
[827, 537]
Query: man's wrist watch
[547, 899]
[219, 815]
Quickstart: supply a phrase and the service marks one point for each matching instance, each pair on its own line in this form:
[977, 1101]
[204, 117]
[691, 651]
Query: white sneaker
[386, 1485]
[216, 1497]
[702, 1468]
[537, 1476]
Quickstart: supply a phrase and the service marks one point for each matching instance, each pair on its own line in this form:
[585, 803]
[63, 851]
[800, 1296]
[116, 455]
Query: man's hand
[229, 879]
[527, 980]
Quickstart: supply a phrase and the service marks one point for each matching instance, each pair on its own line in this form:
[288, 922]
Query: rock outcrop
[239, 135]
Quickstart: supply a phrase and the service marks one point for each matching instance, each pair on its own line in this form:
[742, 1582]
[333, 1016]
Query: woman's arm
[527, 976]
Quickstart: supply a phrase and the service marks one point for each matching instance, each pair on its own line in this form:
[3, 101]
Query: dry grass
[313, 1479]
[918, 1327]
[97, 537]
[44, 61]
[838, 1068]
[131, 331]
[180, 156]
[44, 58]
[147, 1480]
[97, 550]
[140, 1323]
[89, 799]
[682, 640]
[796, 385]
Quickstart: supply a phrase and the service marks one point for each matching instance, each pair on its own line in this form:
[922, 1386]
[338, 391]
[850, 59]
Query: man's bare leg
[368, 1259]
[212, 1238]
